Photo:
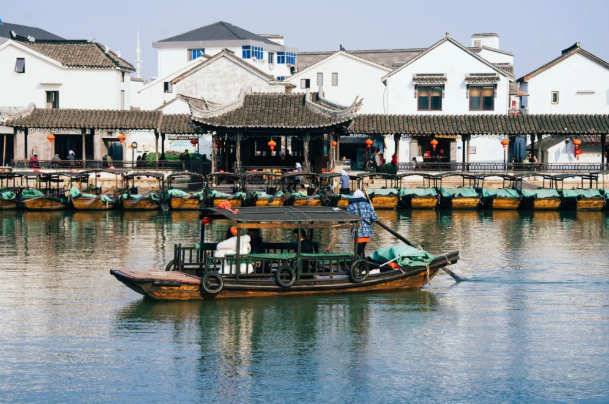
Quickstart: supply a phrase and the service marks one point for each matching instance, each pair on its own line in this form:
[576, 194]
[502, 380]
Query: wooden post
[396, 139]
[539, 149]
[84, 147]
[4, 151]
[337, 151]
[156, 148]
[213, 153]
[162, 143]
[14, 143]
[25, 133]
[238, 154]
[532, 145]
[306, 156]
[603, 151]
[463, 141]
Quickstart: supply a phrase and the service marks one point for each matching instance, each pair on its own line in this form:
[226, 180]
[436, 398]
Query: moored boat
[500, 198]
[582, 199]
[384, 197]
[202, 273]
[540, 199]
[46, 196]
[224, 188]
[460, 197]
[132, 200]
[190, 197]
[424, 197]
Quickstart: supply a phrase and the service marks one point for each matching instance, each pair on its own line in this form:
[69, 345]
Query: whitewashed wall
[456, 63]
[355, 79]
[576, 73]
[565, 153]
[78, 88]
[496, 57]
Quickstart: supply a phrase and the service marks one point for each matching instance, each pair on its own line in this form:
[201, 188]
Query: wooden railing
[505, 167]
[194, 166]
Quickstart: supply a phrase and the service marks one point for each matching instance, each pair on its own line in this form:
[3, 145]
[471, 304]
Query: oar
[272, 198]
[456, 277]
[309, 199]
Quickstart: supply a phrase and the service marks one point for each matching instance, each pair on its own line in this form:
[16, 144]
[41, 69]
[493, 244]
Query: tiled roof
[483, 124]
[589, 140]
[570, 51]
[179, 124]
[507, 67]
[77, 54]
[24, 30]
[219, 31]
[88, 119]
[263, 110]
[384, 57]
[485, 34]
[514, 88]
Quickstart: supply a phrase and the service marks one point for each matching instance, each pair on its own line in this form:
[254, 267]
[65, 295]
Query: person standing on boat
[298, 178]
[360, 206]
[344, 183]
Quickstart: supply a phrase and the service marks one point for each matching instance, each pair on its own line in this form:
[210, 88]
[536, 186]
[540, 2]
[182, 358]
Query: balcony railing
[503, 167]
[63, 165]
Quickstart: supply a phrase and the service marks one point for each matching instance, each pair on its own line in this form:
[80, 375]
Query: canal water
[531, 323]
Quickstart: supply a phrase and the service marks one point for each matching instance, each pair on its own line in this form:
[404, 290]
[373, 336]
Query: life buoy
[285, 276]
[359, 271]
[208, 288]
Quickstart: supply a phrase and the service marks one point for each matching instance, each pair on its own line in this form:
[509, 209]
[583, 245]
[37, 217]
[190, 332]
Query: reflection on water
[531, 325]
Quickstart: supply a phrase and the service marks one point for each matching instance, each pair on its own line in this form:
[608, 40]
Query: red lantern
[206, 221]
[219, 144]
[50, 138]
[334, 143]
[121, 138]
[505, 143]
[272, 144]
[194, 142]
[369, 143]
[578, 151]
[433, 143]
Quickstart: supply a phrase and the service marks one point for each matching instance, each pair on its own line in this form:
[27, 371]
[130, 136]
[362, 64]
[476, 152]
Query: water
[530, 325]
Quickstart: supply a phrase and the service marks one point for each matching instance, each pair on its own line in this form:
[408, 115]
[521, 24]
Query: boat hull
[8, 205]
[587, 204]
[91, 204]
[305, 202]
[502, 203]
[142, 204]
[419, 202]
[163, 288]
[542, 203]
[460, 203]
[265, 202]
[184, 204]
[43, 204]
[343, 203]
[384, 201]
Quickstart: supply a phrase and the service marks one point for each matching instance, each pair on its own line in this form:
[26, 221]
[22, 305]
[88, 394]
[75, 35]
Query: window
[20, 66]
[52, 99]
[305, 83]
[122, 99]
[334, 79]
[167, 87]
[280, 78]
[195, 53]
[430, 98]
[122, 77]
[481, 98]
[554, 97]
[286, 58]
[271, 58]
[320, 79]
[477, 43]
[250, 52]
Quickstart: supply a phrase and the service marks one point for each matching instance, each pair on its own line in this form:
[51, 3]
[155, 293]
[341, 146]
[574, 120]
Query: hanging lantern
[194, 142]
[272, 144]
[505, 143]
[578, 151]
[206, 221]
[369, 143]
[219, 144]
[433, 143]
[50, 138]
[334, 143]
[121, 138]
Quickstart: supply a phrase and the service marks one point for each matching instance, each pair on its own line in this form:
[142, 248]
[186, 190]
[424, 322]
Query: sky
[535, 31]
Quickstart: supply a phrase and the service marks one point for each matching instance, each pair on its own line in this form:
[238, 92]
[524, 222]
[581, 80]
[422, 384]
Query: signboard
[472, 150]
[182, 137]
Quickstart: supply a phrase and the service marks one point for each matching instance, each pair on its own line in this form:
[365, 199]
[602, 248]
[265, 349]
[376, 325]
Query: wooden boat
[504, 198]
[224, 187]
[199, 273]
[10, 191]
[190, 199]
[424, 197]
[45, 203]
[385, 197]
[131, 200]
[296, 197]
[262, 189]
[461, 197]
[540, 199]
[93, 198]
[9, 204]
[582, 199]
[48, 197]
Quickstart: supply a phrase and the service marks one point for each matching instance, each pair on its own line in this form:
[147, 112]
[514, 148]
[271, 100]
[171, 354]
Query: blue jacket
[366, 212]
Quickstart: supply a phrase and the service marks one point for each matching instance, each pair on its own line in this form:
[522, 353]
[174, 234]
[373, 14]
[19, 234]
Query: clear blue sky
[534, 30]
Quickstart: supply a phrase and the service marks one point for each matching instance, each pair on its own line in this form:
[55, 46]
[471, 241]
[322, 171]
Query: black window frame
[23, 66]
[429, 89]
[167, 87]
[557, 93]
[54, 101]
[305, 83]
[481, 97]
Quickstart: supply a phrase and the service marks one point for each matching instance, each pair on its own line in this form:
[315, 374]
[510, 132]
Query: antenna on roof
[90, 39]
[342, 48]
[138, 59]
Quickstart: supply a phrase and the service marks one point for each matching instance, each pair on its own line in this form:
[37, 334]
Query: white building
[63, 74]
[267, 52]
[576, 82]
[343, 77]
[219, 78]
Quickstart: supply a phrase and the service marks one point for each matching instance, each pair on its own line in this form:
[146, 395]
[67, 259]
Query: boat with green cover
[582, 199]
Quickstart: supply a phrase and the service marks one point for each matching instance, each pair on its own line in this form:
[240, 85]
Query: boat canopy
[301, 216]
[418, 192]
[583, 193]
[104, 170]
[540, 193]
[500, 193]
[185, 174]
[149, 174]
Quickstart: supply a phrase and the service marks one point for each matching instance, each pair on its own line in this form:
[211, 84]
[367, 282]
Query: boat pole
[456, 277]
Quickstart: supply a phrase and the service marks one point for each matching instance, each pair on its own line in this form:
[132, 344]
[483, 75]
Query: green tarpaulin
[221, 195]
[264, 195]
[459, 192]
[540, 193]
[381, 191]
[151, 196]
[500, 193]
[345, 196]
[75, 193]
[32, 193]
[583, 193]
[406, 255]
[178, 193]
[303, 196]
[418, 192]
[7, 195]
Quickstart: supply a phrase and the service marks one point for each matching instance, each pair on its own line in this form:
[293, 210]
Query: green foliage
[387, 168]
